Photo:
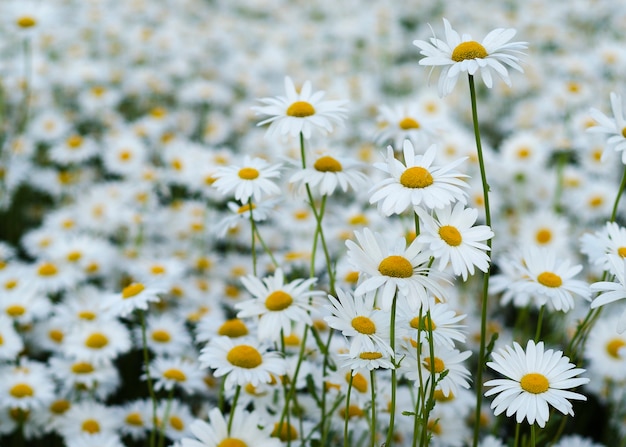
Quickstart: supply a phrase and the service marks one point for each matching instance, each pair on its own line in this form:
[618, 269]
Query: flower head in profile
[300, 111]
[534, 379]
[614, 127]
[612, 291]
[459, 53]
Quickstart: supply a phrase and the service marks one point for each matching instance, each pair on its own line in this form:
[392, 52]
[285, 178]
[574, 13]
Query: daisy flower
[534, 379]
[168, 373]
[404, 122]
[300, 112]
[442, 322]
[614, 127]
[11, 344]
[251, 180]
[612, 291]
[417, 182]
[278, 304]
[26, 386]
[454, 239]
[393, 269]
[87, 418]
[97, 341]
[606, 351]
[366, 360]
[245, 431]
[609, 240]
[459, 54]
[243, 361]
[136, 295]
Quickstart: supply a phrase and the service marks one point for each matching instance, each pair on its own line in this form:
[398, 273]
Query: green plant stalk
[430, 403]
[533, 440]
[485, 293]
[324, 370]
[539, 323]
[346, 413]
[420, 389]
[394, 377]
[373, 390]
[233, 407]
[253, 238]
[166, 416]
[264, 245]
[146, 361]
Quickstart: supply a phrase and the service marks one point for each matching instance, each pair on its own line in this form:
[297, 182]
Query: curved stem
[622, 186]
[346, 413]
[233, 407]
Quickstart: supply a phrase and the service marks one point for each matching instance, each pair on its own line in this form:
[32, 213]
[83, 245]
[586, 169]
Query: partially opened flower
[534, 379]
[459, 54]
[614, 127]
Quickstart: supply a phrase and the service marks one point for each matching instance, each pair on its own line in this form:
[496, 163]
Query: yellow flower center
[543, 236]
[396, 267]
[523, 152]
[55, 335]
[134, 419]
[132, 290]
[1, 340]
[423, 324]
[450, 235]
[278, 301]
[327, 164]
[248, 173]
[233, 328]
[440, 366]
[624, 132]
[622, 252]
[177, 423]
[175, 374]
[301, 109]
[370, 355]
[232, 442]
[60, 406]
[291, 340]
[351, 411]
[21, 390]
[96, 341]
[245, 208]
[440, 397]
[161, 336]
[91, 426]
[416, 177]
[11, 284]
[364, 325]
[359, 382]
[47, 269]
[613, 347]
[125, 155]
[74, 142]
[26, 22]
[15, 310]
[87, 315]
[244, 356]
[468, 50]
[549, 279]
[433, 426]
[74, 256]
[534, 383]
[408, 123]
[82, 368]
[286, 433]
[351, 277]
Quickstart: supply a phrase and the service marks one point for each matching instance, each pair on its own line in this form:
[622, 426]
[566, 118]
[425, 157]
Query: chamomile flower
[442, 322]
[242, 361]
[612, 291]
[608, 240]
[165, 335]
[459, 54]
[614, 127]
[73, 374]
[136, 295]
[26, 386]
[11, 344]
[606, 350]
[168, 373]
[393, 269]
[88, 418]
[98, 341]
[404, 122]
[416, 182]
[278, 304]
[454, 239]
[535, 378]
[358, 361]
[300, 112]
[250, 180]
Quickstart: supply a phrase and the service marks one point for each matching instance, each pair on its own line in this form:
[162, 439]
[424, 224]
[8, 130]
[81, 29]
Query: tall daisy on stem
[459, 54]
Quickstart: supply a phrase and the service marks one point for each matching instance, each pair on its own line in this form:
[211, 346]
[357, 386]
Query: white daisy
[612, 291]
[606, 350]
[404, 122]
[614, 127]
[168, 373]
[251, 180]
[26, 386]
[442, 322]
[98, 341]
[459, 54]
[608, 240]
[417, 182]
[88, 418]
[454, 239]
[393, 269]
[534, 379]
[136, 295]
[300, 112]
[11, 344]
[368, 360]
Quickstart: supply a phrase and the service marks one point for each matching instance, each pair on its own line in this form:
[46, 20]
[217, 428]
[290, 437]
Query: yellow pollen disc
[125, 155]
[132, 290]
[408, 123]
[396, 267]
[278, 301]
[291, 340]
[98, 90]
[47, 269]
[74, 142]
[134, 419]
[248, 173]
[158, 112]
[434, 427]
[596, 201]
[91, 426]
[161, 336]
[244, 356]
[543, 236]
[327, 164]
[359, 382]
[364, 325]
[370, 355]
[439, 365]
[613, 347]
[359, 219]
[450, 235]
[523, 152]
[351, 277]
[87, 315]
[624, 132]
[177, 423]
[55, 335]
[440, 397]
[468, 50]
[60, 406]
[232, 442]
[96, 341]
[233, 328]
[175, 374]
[287, 432]
[351, 411]
[1, 340]
[26, 22]
[622, 252]
[157, 269]
[423, 324]
[74, 256]
[11, 284]
[82, 368]
[416, 177]
[177, 165]
[534, 383]
[15, 310]
[21, 390]
[300, 109]
[245, 208]
[549, 279]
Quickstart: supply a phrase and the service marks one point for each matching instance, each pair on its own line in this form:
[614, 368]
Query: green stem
[421, 388]
[146, 361]
[394, 378]
[346, 413]
[622, 186]
[265, 247]
[252, 230]
[517, 430]
[373, 390]
[485, 293]
[324, 371]
[533, 441]
[430, 403]
[166, 416]
[539, 323]
[233, 407]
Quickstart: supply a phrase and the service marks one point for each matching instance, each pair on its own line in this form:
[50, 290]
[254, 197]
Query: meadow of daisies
[263, 223]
